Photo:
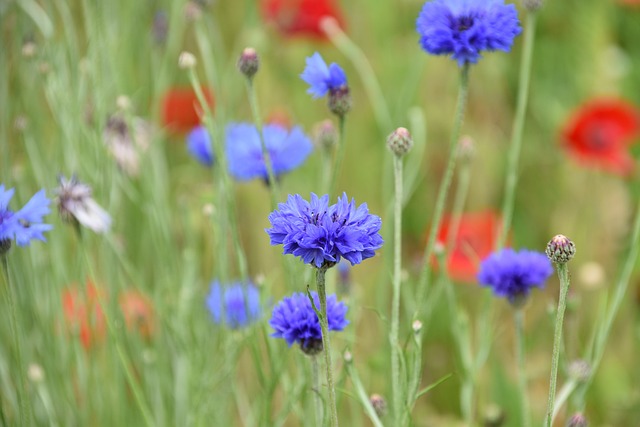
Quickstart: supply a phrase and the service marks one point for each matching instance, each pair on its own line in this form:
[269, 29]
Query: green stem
[423, 281]
[518, 127]
[317, 399]
[23, 401]
[398, 400]
[326, 345]
[339, 155]
[257, 119]
[518, 315]
[462, 189]
[563, 275]
[362, 394]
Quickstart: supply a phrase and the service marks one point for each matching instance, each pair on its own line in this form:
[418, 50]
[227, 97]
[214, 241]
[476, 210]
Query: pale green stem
[339, 155]
[518, 315]
[257, 119]
[317, 399]
[462, 189]
[398, 401]
[563, 275]
[423, 281]
[563, 395]
[362, 394]
[23, 400]
[326, 345]
[518, 127]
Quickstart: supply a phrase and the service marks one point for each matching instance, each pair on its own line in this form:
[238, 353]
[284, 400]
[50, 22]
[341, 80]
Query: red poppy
[600, 132]
[83, 314]
[474, 242]
[300, 18]
[138, 314]
[181, 110]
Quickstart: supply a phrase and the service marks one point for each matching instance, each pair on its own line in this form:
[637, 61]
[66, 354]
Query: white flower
[77, 206]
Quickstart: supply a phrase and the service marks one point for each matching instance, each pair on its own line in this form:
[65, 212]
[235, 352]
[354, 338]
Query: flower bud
[560, 249]
[379, 405]
[311, 347]
[340, 101]
[400, 142]
[35, 373]
[577, 420]
[348, 357]
[187, 60]
[416, 326]
[532, 5]
[5, 245]
[325, 135]
[466, 149]
[580, 370]
[494, 416]
[248, 63]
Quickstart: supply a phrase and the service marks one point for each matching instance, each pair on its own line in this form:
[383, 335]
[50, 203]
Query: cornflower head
[124, 143]
[512, 274]
[323, 79]
[237, 305]
[464, 28]
[287, 149]
[321, 235]
[25, 224]
[199, 145]
[76, 205]
[294, 320]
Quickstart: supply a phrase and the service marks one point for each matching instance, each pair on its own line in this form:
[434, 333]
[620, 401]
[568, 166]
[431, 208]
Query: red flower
[83, 314]
[181, 110]
[300, 18]
[474, 242]
[138, 313]
[599, 133]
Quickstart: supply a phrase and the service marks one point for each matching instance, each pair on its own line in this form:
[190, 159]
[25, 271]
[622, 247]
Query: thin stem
[317, 399]
[518, 315]
[563, 275]
[339, 155]
[23, 401]
[274, 189]
[398, 405]
[518, 127]
[326, 345]
[444, 185]
[362, 394]
[460, 198]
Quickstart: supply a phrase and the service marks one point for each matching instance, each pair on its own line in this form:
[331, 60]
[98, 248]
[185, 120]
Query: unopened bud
[348, 357]
[29, 49]
[580, 370]
[577, 420]
[187, 60]
[416, 326]
[339, 101]
[466, 149]
[311, 347]
[379, 405]
[532, 5]
[5, 245]
[123, 102]
[248, 63]
[325, 134]
[493, 416]
[192, 11]
[35, 373]
[400, 142]
[560, 249]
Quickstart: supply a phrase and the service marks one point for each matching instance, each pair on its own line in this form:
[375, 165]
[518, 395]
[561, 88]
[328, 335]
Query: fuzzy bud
[379, 405]
[560, 249]
[35, 373]
[325, 135]
[493, 416]
[311, 347]
[532, 5]
[580, 370]
[5, 245]
[400, 142]
[339, 101]
[187, 60]
[123, 102]
[577, 420]
[416, 326]
[248, 63]
[348, 357]
[466, 149]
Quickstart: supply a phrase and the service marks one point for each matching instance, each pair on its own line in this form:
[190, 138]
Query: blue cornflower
[321, 234]
[322, 78]
[464, 28]
[25, 224]
[236, 305]
[199, 145]
[287, 150]
[294, 320]
[512, 274]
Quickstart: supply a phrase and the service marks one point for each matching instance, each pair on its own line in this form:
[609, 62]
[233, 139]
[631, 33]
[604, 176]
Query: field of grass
[112, 328]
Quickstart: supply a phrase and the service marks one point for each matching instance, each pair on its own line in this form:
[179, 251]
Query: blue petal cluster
[321, 234]
[25, 224]
[199, 145]
[322, 78]
[512, 274]
[294, 320]
[287, 150]
[464, 28]
[237, 305]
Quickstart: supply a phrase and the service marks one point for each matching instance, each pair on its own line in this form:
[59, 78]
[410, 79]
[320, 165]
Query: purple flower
[287, 150]
[236, 305]
[199, 145]
[25, 224]
[321, 234]
[321, 78]
[294, 320]
[464, 28]
[512, 274]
